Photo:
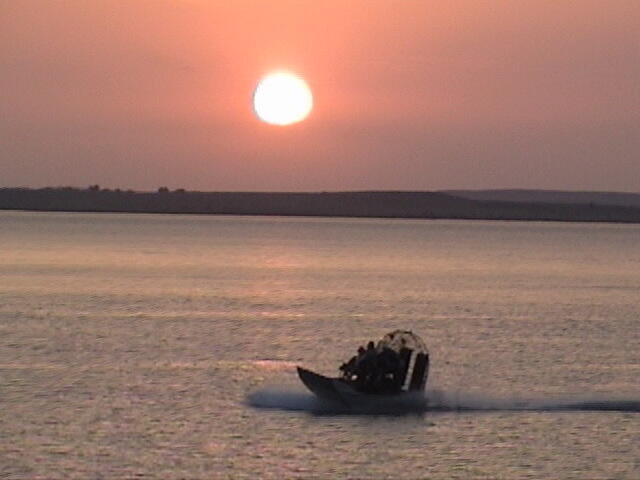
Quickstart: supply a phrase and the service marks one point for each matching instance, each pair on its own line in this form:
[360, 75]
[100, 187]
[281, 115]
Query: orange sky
[409, 94]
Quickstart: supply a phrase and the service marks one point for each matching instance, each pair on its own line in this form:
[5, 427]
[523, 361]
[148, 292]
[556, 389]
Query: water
[156, 346]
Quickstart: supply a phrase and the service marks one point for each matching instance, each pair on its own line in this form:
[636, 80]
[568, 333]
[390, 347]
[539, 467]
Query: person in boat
[358, 367]
[388, 372]
[373, 370]
[349, 369]
[366, 369]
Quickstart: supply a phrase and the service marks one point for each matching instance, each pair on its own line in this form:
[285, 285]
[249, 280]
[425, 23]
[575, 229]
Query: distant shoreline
[357, 204]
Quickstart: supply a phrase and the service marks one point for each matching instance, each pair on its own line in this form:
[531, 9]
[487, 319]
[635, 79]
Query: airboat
[393, 369]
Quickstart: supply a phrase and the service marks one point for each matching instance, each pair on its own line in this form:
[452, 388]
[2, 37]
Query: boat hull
[338, 391]
[324, 387]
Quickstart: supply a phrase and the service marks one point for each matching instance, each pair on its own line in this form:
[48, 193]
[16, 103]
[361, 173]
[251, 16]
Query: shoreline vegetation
[596, 207]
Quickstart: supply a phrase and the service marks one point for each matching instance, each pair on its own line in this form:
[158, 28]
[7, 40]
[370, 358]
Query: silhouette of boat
[398, 365]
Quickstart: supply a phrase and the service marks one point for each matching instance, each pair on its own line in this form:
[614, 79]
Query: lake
[165, 346]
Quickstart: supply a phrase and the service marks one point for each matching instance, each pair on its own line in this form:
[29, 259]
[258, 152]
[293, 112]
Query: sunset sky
[408, 95]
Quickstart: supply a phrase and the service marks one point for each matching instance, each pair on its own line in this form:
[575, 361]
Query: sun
[282, 98]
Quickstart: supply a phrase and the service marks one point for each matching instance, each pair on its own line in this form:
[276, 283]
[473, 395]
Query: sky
[408, 95]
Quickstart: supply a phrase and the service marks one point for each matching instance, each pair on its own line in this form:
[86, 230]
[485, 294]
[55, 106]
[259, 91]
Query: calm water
[156, 346]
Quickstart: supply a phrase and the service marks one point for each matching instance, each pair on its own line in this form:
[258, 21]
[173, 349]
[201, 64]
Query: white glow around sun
[282, 98]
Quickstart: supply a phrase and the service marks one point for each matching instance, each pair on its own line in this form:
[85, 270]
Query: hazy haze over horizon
[412, 95]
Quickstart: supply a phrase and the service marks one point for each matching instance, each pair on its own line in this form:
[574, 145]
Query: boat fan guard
[399, 339]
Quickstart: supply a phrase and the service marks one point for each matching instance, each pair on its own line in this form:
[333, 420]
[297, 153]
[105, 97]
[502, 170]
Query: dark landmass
[383, 204]
[551, 196]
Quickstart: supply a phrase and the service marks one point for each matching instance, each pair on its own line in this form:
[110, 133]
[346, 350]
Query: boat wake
[442, 401]
[436, 401]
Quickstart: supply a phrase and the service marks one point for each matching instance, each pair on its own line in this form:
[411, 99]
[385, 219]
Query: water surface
[164, 346]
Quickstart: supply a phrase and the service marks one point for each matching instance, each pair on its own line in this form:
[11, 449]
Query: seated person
[388, 372]
[349, 369]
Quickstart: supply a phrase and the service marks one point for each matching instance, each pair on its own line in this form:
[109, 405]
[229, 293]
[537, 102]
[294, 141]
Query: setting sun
[282, 98]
